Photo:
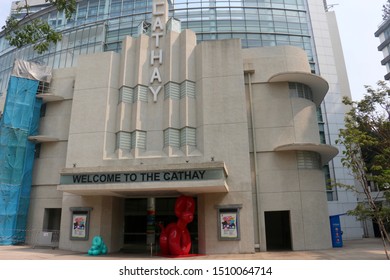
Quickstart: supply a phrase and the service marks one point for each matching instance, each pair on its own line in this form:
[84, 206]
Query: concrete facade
[332, 68]
[383, 34]
[122, 114]
[100, 26]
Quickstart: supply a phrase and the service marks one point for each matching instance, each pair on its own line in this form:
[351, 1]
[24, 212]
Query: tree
[366, 138]
[36, 31]
[386, 10]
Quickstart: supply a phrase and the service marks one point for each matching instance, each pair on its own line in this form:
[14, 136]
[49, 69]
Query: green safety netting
[20, 120]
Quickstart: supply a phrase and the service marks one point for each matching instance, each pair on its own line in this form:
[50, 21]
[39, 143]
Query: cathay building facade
[236, 104]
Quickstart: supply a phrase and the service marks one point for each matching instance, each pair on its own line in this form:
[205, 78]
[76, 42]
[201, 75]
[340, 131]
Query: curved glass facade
[101, 25]
[257, 23]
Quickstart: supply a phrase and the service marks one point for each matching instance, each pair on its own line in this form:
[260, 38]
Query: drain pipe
[249, 71]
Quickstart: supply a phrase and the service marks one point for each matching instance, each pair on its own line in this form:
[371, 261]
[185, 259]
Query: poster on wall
[229, 222]
[229, 225]
[80, 223]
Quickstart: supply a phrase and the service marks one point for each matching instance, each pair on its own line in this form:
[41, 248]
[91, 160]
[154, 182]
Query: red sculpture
[175, 238]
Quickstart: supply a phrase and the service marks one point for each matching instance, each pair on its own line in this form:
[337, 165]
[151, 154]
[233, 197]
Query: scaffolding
[20, 120]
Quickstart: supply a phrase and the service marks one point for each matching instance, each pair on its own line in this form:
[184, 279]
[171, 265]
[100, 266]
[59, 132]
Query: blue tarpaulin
[20, 120]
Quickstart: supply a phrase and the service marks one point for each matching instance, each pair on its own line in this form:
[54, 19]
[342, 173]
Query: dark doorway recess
[278, 230]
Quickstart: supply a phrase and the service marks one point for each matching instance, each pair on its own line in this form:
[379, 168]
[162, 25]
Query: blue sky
[357, 20]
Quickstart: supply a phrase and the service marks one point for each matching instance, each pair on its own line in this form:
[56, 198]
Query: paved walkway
[364, 249]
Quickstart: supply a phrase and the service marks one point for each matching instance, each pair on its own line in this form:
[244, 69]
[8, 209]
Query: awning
[327, 152]
[146, 180]
[318, 85]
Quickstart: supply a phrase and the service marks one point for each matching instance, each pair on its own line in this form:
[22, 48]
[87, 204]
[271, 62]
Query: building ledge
[42, 139]
[49, 97]
[384, 44]
[142, 180]
[382, 27]
[327, 152]
[385, 60]
[318, 85]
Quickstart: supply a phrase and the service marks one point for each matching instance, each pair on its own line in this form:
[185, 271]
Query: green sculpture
[98, 247]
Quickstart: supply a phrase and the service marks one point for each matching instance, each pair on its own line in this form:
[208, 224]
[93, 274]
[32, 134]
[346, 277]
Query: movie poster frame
[77, 213]
[230, 234]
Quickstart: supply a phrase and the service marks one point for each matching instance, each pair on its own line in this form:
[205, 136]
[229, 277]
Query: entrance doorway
[278, 230]
[52, 222]
[135, 223]
[377, 232]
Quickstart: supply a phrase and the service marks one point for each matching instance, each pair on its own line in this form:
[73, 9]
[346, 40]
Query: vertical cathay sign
[160, 11]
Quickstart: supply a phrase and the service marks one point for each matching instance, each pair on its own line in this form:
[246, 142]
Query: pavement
[363, 249]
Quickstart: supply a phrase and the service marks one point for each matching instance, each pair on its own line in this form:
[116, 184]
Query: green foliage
[36, 32]
[386, 10]
[33, 33]
[361, 212]
[68, 6]
[366, 138]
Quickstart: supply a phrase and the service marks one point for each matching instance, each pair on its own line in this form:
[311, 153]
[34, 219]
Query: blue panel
[20, 120]
[335, 228]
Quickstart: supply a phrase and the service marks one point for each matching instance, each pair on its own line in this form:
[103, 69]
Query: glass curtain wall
[101, 25]
[256, 22]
